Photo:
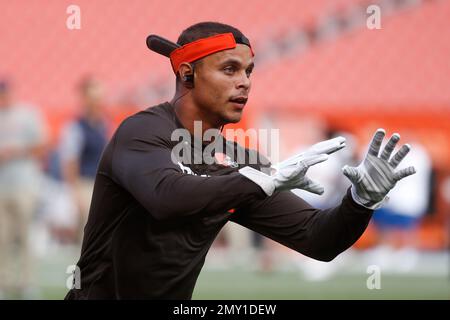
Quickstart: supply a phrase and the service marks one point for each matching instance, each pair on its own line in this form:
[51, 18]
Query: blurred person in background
[81, 146]
[22, 143]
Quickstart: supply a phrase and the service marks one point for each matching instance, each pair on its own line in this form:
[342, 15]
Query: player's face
[222, 84]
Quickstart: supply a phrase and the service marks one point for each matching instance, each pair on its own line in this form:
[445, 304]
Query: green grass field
[240, 283]
[288, 285]
[224, 285]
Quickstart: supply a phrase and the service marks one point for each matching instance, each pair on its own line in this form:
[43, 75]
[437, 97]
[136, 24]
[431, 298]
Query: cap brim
[160, 45]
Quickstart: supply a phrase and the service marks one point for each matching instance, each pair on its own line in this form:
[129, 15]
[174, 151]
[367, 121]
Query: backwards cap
[195, 50]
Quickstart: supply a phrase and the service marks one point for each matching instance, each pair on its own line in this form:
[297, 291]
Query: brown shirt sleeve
[291, 221]
[142, 164]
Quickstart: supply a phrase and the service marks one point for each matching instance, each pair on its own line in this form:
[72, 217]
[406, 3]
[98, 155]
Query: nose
[244, 82]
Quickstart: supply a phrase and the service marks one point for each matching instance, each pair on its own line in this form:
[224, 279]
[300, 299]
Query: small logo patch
[223, 159]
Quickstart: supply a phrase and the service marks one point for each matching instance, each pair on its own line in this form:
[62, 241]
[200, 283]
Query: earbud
[188, 80]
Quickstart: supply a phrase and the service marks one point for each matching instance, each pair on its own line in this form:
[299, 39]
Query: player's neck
[188, 112]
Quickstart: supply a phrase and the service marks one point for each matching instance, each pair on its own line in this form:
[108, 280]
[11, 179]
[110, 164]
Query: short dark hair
[206, 29]
[203, 30]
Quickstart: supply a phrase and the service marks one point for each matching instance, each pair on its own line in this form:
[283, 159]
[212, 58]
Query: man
[81, 147]
[22, 142]
[154, 215]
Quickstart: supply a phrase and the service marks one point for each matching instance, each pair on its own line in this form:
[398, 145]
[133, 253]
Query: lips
[239, 100]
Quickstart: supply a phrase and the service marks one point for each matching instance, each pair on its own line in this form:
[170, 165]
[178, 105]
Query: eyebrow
[236, 62]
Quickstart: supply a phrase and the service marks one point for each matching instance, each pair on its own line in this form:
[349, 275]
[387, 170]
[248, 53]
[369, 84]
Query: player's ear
[186, 72]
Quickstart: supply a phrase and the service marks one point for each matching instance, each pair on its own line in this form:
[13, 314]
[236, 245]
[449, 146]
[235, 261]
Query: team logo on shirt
[188, 170]
[223, 159]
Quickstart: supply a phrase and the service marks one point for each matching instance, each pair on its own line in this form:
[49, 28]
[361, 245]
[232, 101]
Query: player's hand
[324, 147]
[294, 176]
[291, 173]
[376, 175]
[288, 177]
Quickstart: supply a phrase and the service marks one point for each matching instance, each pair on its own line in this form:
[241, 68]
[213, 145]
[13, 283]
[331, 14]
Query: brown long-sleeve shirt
[151, 223]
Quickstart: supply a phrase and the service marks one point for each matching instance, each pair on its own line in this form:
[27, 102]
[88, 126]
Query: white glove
[375, 176]
[291, 173]
[324, 147]
[288, 177]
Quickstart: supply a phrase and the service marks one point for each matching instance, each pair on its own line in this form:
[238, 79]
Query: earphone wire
[176, 100]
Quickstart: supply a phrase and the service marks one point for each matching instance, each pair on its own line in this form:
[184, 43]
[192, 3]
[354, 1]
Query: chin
[233, 118]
